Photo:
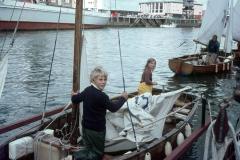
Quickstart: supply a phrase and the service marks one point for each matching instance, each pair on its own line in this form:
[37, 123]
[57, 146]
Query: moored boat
[215, 23]
[46, 16]
[222, 140]
[194, 64]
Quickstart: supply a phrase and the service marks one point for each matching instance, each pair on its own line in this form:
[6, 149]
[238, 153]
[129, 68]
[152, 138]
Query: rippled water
[30, 60]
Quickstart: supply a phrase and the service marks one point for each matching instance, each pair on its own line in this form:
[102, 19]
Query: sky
[133, 5]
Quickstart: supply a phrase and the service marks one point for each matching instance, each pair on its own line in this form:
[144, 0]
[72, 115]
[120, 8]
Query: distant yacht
[44, 15]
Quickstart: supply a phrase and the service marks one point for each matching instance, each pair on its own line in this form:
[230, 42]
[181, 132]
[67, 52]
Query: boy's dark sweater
[95, 104]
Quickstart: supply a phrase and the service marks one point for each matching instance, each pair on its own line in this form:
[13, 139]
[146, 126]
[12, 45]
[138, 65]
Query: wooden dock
[152, 21]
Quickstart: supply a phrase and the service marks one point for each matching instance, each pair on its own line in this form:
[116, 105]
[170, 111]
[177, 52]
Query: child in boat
[95, 104]
[146, 83]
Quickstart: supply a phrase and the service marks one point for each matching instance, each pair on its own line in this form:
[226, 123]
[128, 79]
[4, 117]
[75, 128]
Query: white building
[170, 8]
[97, 4]
[89, 4]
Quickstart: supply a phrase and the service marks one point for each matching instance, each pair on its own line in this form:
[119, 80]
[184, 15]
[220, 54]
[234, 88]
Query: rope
[5, 38]
[57, 117]
[49, 76]
[15, 30]
[124, 88]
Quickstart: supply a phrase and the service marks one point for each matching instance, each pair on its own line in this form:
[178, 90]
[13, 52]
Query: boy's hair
[96, 72]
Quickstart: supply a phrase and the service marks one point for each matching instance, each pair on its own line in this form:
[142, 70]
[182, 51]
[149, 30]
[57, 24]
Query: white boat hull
[41, 16]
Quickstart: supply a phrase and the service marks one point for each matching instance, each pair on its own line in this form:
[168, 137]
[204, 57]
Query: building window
[157, 7]
[152, 5]
[161, 6]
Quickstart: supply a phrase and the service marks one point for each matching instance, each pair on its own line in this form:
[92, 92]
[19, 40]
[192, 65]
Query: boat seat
[184, 111]
[180, 116]
[179, 103]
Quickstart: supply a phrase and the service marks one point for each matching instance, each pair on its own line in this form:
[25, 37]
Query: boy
[95, 104]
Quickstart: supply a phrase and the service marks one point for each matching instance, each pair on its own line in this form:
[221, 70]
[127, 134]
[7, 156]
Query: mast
[76, 68]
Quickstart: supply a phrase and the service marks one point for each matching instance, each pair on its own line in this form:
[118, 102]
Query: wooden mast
[76, 68]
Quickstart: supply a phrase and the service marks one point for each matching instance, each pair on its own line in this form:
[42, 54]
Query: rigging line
[5, 38]
[124, 87]
[49, 76]
[16, 27]
[58, 116]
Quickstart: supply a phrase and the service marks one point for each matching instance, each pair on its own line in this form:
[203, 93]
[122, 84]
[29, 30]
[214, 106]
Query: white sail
[148, 116]
[214, 21]
[3, 71]
[84, 76]
[236, 21]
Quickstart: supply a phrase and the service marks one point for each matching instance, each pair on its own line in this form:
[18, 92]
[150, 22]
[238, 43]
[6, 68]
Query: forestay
[3, 71]
[148, 115]
[236, 21]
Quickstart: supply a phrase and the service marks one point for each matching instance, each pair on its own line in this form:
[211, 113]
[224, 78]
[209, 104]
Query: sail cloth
[3, 71]
[214, 21]
[236, 22]
[147, 115]
[228, 28]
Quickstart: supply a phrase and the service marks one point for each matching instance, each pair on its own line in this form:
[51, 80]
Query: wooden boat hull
[184, 66]
[155, 148]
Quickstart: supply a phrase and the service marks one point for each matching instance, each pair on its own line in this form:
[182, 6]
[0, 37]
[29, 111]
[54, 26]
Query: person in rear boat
[146, 83]
[95, 104]
[213, 50]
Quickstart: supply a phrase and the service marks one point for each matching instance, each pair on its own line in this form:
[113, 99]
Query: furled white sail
[148, 117]
[3, 71]
[228, 29]
[84, 76]
[214, 21]
[236, 21]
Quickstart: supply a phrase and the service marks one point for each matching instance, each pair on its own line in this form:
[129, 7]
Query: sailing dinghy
[217, 20]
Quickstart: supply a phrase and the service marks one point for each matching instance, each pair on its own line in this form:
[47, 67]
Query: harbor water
[31, 56]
